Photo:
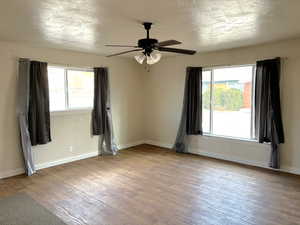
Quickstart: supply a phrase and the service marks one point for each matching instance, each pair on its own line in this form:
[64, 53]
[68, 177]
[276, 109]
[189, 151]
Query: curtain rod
[226, 65]
[238, 64]
[61, 64]
[70, 66]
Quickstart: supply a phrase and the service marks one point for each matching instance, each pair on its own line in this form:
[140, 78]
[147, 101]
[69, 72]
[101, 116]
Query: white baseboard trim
[197, 151]
[65, 160]
[129, 145]
[11, 173]
[18, 171]
[83, 156]
[159, 144]
[291, 170]
[227, 158]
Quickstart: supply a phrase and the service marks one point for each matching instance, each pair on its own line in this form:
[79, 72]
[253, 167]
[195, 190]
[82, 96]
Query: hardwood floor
[148, 185]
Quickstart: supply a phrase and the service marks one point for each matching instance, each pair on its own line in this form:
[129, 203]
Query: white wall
[164, 94]
[68, 129]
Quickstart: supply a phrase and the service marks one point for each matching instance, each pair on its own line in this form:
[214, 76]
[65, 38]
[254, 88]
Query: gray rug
[20, 209]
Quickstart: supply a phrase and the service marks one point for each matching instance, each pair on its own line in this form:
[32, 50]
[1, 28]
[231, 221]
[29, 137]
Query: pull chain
[147, 67]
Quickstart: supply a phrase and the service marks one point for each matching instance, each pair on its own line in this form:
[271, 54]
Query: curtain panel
[191, 117]
[268, 120]
[39, 110]
[101, 114]
[32, 108]
[22, 113]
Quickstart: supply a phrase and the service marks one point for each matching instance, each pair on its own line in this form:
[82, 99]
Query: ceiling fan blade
[121, 53]
[168, 42]
[121, 46]
[177, 50]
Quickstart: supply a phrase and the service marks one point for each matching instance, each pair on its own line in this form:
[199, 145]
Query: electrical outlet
[71, 148]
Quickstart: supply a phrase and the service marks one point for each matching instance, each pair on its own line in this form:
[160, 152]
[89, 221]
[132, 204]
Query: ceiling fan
[150, 48]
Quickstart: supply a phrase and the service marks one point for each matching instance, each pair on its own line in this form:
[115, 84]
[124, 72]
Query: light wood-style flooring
[147, 185]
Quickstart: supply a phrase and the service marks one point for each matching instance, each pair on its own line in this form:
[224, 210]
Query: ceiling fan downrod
[147, 26]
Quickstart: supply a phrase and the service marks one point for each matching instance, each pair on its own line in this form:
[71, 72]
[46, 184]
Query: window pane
[206, 79]
[80, 88]
[56, 78]
[232, 101]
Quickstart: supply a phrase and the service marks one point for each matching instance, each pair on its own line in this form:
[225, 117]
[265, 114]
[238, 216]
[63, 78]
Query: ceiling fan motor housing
[147, 44]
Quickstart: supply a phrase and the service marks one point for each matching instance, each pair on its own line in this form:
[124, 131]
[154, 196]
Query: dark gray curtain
[268, 121]
[22, 113]
[101, 115]
[191, 118]
[33, 108]
[39, 113]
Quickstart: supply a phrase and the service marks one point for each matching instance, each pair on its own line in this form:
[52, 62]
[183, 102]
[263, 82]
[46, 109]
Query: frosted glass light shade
[140, 58]
[153, 58]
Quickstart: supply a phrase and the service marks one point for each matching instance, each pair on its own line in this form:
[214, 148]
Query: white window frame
[252, 129]
[66, 85]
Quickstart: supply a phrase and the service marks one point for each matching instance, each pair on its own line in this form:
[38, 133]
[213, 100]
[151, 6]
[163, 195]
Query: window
[70, 89]
[227, 96]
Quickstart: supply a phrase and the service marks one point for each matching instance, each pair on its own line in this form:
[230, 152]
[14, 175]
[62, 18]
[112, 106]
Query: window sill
[230, 138]
[71, 112]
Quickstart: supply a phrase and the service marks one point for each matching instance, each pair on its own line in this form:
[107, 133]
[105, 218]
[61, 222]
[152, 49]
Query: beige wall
[68, 129]
[145, 105]
[164, 94]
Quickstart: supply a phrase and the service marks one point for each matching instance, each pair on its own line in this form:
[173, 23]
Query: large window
[227, 96]
[70, 89]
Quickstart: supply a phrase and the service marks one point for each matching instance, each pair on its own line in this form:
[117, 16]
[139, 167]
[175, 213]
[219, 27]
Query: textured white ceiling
[203, 25]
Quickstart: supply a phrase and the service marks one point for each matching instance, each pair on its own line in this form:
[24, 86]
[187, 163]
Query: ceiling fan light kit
[154, 57]
[151, 47]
